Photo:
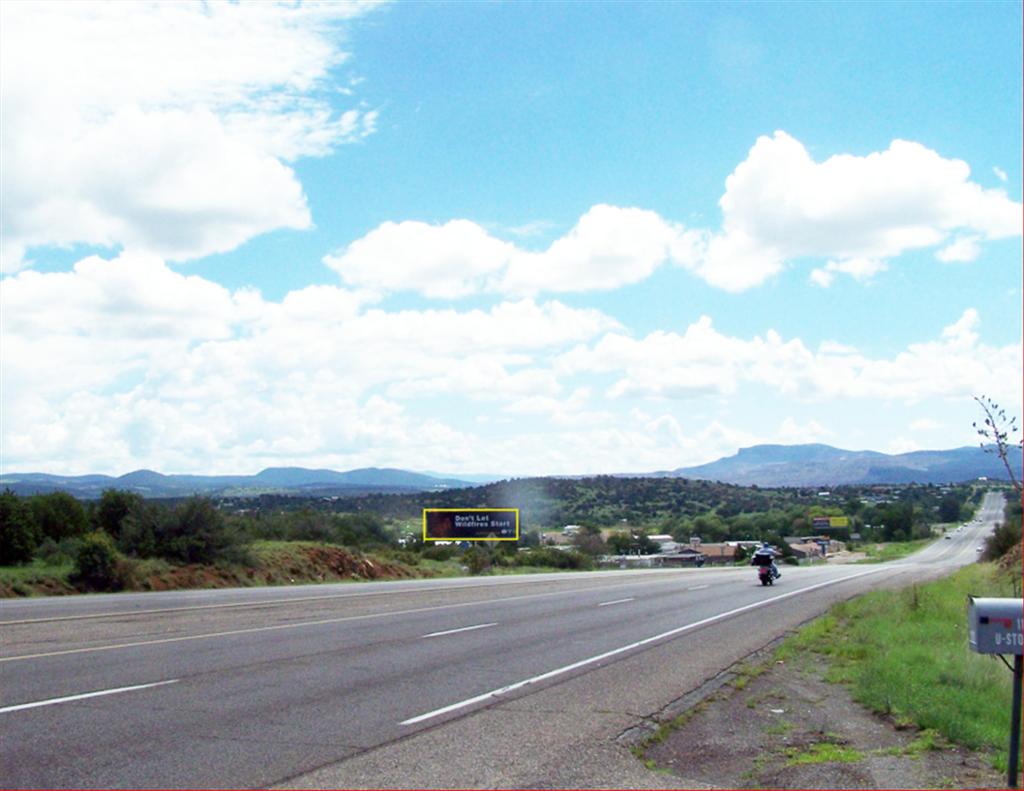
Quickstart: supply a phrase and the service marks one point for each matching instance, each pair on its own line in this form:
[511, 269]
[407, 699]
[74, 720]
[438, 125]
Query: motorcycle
[764, 573]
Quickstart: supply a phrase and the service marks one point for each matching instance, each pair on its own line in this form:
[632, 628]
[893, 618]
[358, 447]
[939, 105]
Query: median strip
[494, 693]
[70, 698]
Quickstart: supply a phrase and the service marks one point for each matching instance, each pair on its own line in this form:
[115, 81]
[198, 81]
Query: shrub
[477, 560]
[96, 561]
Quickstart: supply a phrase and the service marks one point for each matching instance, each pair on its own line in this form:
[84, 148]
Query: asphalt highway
[413, 683]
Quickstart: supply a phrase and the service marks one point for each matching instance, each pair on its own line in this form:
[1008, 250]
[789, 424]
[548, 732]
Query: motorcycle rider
[765, 556]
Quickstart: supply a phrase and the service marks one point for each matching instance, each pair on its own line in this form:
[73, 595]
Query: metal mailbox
[996, 626]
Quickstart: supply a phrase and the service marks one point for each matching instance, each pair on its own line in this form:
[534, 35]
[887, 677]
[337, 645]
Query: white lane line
[698, 587]
[622, 649]
[617, 601]
[463, 629]
[319, 622]
[83, 696]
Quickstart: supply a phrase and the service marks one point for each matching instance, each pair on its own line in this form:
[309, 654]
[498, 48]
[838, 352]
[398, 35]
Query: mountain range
[289, 480]
[823, 465]
[760, 465]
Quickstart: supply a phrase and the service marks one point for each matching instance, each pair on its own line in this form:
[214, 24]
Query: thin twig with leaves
[1000, 431]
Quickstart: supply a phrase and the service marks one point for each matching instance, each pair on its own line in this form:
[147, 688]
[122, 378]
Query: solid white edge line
[617, 601]
[622, 649]
[698, 588]
[463, 629]
[69, 698]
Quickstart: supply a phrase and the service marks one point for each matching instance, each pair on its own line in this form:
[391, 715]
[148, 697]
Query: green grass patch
[894, 550]
[823, 753]
[781, 728]
[904, 653]
[36, 578]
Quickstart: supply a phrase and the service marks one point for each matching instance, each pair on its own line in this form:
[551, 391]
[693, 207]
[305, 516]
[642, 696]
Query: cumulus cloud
[862, 269]
[608, 247]
[779, 205]
[703, 361]
[450, 260]
[966, 248]
[124, 363]
[165, 126]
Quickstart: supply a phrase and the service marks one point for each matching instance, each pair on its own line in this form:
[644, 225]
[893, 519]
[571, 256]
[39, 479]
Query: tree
[589, 543]
[949, 508]
[113, 507]
[198, 532]
[58, 515]
[999, 430]
[19, 535]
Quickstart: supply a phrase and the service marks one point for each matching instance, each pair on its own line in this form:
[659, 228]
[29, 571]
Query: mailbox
[996, 626]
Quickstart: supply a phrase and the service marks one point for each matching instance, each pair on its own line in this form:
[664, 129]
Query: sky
[503, 238]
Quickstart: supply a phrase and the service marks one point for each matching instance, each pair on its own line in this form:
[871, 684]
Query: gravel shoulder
[772, 724]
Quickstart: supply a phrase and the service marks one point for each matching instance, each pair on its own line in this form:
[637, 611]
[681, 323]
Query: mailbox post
[996, 626]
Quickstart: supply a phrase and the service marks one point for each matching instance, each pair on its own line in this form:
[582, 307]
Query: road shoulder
[780, 724]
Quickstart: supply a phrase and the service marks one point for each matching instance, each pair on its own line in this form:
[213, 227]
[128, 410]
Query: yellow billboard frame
[465, 510]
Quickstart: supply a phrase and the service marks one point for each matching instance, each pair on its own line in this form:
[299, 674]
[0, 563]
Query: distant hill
[823, 465]
[271, 480]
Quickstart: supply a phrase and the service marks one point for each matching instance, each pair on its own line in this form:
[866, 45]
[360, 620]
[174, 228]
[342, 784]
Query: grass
[29, 579]
[823, 753]
[894, 550]
[904, 654]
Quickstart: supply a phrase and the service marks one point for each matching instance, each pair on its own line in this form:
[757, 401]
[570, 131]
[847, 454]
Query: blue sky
[517, 238]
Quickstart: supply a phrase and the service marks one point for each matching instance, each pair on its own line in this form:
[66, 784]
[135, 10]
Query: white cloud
[1000, 174]
[164, 126]
[793, 432]
[125, 363]
[779, 205]
[450, 260]
[703, 361]
[966, 248]
[609, 247]
[861, 269]
[925, 424]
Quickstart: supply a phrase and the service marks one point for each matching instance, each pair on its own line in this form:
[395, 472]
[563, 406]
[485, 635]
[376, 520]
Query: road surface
[476, 682]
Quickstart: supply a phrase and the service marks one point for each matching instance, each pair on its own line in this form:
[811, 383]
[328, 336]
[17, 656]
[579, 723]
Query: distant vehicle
[948, 536]
[978, 549]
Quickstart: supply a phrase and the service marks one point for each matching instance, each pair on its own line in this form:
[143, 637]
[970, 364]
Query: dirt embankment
[289, 564]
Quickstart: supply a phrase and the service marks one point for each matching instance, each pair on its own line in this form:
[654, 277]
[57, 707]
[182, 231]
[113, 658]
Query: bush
[435, 552]
[554, 558]
[113, 508]
[19, 535]
[1007, 534]
[58, 553]
[96, 562]
[477, 560]
[58, 515]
